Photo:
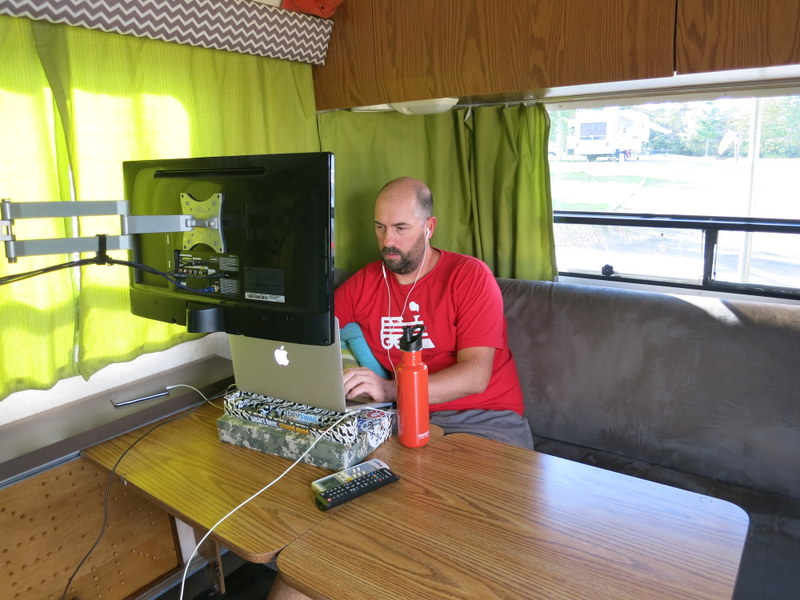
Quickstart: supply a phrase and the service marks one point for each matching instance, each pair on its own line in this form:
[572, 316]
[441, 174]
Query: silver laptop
[299, 373]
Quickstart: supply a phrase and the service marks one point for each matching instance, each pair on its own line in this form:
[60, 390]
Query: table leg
[209, 550]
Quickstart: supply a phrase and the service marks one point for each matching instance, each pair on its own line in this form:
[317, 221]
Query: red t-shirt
[460, 305]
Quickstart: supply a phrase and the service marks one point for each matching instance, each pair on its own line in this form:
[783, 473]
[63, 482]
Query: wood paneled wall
[49, 522]
[391, 51]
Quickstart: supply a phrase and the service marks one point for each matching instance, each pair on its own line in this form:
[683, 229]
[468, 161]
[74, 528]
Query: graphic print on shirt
[392, 329]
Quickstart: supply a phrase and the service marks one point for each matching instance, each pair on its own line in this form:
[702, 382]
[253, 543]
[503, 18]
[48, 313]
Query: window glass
[673, 255]
[771, 259]
[729, 157]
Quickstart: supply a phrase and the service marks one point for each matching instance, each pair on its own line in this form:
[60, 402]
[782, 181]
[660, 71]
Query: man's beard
[408, 261]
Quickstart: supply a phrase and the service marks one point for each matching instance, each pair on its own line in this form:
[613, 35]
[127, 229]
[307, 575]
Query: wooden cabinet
[397, 50]
[392, 51]
[717, 35]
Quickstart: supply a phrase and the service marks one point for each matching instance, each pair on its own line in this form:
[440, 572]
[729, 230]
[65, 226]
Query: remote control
[352, 482]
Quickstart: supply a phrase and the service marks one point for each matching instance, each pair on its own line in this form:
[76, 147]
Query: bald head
[405, 188]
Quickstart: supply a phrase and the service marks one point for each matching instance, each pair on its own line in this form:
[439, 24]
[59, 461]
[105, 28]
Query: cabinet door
[391, 51]
[717, 35]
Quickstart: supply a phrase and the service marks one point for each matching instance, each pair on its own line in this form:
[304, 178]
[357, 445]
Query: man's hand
[361, 382]
[470, 375]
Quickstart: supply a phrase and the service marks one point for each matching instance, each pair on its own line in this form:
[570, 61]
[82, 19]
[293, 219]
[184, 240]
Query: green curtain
[486, 166]
[37, 315]
[76, 103]
[123, 98]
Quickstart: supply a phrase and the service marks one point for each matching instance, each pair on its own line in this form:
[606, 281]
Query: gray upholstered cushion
[694, 393]
[706, 387]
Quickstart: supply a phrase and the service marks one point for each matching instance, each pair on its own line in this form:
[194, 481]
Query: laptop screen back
[299, 373]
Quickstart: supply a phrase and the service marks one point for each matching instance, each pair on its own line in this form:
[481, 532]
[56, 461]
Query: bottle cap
[411, 341]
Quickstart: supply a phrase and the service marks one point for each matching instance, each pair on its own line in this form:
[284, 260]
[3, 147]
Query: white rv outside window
[704, 193]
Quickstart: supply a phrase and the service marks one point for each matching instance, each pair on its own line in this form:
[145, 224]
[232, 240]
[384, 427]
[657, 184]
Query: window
[696, 193]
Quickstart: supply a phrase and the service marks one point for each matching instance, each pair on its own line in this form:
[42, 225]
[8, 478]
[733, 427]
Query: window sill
[674, 290]
[43, 440]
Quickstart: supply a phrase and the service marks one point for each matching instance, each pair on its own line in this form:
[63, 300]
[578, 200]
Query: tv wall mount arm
[202, 220]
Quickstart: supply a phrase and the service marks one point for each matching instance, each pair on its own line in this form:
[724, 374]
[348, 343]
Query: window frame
[709, 226]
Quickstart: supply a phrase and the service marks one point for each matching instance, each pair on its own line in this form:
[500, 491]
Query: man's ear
[430, 226]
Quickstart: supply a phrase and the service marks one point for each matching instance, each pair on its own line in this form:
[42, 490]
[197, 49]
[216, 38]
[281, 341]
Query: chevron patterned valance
[234, 25]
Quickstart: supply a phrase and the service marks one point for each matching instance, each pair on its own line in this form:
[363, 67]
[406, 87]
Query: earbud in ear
[427, 234]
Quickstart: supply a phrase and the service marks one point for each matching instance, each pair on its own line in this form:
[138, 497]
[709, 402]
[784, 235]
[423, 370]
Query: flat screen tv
[259, 258]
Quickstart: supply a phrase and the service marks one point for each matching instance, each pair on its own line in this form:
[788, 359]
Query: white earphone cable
[408, 295]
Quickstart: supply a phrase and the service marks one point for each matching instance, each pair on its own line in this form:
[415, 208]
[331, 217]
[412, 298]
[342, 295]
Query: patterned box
[287, 429]
[234, 26]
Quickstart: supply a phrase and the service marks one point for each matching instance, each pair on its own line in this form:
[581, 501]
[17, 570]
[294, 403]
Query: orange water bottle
[413, 423]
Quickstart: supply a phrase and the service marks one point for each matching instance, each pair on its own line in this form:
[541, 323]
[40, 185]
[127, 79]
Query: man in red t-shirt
[473, 382]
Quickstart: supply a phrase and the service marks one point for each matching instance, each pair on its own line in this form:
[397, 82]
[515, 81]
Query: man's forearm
[470, 375]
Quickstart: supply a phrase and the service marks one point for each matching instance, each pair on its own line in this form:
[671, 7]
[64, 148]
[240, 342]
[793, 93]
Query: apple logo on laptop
[281, 356]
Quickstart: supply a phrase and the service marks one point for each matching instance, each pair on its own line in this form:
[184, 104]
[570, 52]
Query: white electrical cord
[186, 385]
[258, 493]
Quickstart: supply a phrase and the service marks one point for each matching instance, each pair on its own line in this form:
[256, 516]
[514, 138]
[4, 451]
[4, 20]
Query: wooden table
[472, 518]
[184, 468]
